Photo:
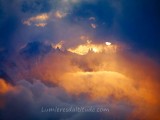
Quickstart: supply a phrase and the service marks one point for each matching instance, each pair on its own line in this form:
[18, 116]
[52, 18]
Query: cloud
[33, 97]
[41, 24]
[39, 20]
[57, 55]
[47, 20]
[34, 6]
[127, 93]
[95, 48]
[5, 87]
[67, 78]
[93, 26]
[59, 14]
[84, 80]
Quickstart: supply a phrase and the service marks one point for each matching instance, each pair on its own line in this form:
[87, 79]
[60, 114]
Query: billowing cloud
[127, 91]
[120, 80]
[77, 53]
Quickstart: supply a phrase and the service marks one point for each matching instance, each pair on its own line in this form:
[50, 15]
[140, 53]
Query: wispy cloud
[39, 20]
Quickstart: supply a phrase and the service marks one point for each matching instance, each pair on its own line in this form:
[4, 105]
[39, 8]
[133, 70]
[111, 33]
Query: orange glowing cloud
[39, 20]
[107, 73]
[41, 24]
[96, 48]
[4, 87]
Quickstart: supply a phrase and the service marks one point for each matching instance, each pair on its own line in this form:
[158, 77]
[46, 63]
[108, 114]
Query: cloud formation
[39, 20]
[61, 77]
[77, 52]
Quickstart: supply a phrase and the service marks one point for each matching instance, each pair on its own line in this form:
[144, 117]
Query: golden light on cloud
[108, 43]
[104, 77]
[4, 87]
[96, 83]
[41, 17]
[37, 20]
[41, 24]
[88, 68]
[60, 14]
[96, 48]
[81, 50]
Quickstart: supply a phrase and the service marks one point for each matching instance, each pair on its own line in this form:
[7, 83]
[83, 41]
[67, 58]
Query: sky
[79, 53]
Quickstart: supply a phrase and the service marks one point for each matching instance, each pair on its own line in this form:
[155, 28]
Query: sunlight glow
[95, 48]
[108, 43]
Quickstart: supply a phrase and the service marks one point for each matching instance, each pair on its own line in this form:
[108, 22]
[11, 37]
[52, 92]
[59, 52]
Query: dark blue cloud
[36, 6]
[104, 14]
[140, 24]
[7, 29]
